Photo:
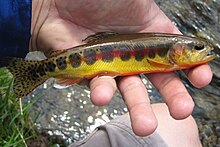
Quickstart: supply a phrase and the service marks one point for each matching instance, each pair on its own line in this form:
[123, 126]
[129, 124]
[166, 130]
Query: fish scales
[111, 54]
[98, 59]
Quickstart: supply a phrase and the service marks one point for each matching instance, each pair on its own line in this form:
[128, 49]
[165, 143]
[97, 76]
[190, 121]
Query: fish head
[189, 52]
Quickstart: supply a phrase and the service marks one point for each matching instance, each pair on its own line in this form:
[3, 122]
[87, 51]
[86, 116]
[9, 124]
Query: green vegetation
[15, 129]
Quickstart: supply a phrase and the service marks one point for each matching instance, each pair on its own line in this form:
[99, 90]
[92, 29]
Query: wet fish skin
[110, 54]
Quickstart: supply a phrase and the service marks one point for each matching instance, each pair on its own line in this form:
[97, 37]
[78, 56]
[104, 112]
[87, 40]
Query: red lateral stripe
[117, 53]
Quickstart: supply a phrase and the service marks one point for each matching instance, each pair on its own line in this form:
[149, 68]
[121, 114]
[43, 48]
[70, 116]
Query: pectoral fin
[52, 53]
[159, 64]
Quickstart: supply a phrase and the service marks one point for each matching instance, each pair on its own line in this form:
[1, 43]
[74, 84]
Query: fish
[110, 54]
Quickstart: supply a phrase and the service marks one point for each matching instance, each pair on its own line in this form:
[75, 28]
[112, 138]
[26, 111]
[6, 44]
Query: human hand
[61, 24]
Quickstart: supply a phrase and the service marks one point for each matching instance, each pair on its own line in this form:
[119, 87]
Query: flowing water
[68, 113]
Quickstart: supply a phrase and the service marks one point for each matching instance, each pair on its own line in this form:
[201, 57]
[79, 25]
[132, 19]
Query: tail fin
[27, 74]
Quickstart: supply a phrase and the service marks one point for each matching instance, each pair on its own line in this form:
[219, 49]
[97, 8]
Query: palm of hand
[68, 22]
[78, 19]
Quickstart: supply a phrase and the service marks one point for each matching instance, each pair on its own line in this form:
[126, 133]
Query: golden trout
[113, 55]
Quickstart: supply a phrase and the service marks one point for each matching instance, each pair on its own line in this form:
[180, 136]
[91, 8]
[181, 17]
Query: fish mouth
[207, 54]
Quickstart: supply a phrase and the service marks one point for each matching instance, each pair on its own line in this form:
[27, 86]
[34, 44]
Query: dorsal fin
[53, 53]
[98, 37]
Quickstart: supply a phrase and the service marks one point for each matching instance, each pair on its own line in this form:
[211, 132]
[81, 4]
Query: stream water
[68, 113]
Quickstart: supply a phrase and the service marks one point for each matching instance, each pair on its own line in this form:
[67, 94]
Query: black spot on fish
[90, 56]
[51, 66]
[75, 60]
[33, 75]
[45, 69]
[139, 52]
[61, 63]
[107, 53]
[41, 70]
[124, 52]
[151, 54]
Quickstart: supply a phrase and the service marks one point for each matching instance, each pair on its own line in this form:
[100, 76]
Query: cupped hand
[61, 24]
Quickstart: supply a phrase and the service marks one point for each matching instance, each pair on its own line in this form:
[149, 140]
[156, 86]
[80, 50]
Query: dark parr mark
[107, 53]
[151, 54]
[75, 60]
[163, 51]
[139, 51]
[61, 63]
[90, 56]
[51, 66]
[124, 52]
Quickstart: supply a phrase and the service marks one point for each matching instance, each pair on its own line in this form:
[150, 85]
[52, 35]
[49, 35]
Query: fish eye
[199, 46]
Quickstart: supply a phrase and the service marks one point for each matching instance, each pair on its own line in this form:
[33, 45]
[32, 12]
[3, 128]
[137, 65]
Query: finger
[174, 94]
[199, 76]
[136, 98]
[102, 90]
